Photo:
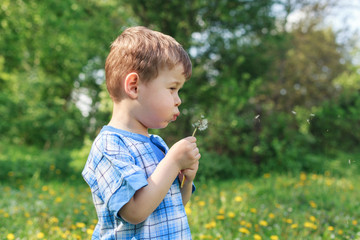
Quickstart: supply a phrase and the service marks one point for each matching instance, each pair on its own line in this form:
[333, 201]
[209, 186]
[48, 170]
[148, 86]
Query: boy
[134, 177]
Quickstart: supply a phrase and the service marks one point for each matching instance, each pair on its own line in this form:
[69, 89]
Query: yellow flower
[65, 234]
[56, 229]
[340, 232]
[188, 211]
[289, 221]
[354, 222]
[202, 236]
[313, 204]
[244, 230]
[210, 225]
[302, 176]
[89, 231]
[27, 215]
[80, 225]
[238, 199]
[312, 218]
[58, 199]
[257, 237]
[263, 223]
[40, 235]
[201, 203]
[45, 188]
[294, 226]
[331, 228]
[271, 215]
[314, 177]
[221, 211]
[267, 175]
[310, 225]
[274, 237]
[220, 217]
[10, 236]
[253, 210]
[231, 214]
[54, 220]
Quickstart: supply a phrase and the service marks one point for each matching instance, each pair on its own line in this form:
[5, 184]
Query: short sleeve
[118, 176]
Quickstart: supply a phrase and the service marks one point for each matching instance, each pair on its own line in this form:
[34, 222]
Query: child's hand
[185, 153]
[189, 173]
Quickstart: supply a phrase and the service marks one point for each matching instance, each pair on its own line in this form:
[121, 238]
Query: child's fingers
[195, 153]
[190, 139]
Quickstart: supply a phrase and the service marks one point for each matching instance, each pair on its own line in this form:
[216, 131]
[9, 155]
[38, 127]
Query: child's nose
[177, 100]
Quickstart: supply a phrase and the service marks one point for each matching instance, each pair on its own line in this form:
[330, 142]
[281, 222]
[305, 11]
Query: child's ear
[131, 84]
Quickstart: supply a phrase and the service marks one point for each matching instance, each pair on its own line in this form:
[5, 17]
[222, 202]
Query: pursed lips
[175, 116]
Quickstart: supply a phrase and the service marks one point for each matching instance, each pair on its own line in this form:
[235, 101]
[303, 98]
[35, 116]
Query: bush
[22, 162]
[337, 124]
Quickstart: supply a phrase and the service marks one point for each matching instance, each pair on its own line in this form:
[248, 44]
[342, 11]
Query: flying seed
[293, 112]
[257, 116]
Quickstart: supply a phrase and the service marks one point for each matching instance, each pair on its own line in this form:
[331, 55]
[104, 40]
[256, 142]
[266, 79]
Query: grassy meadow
[303, 206]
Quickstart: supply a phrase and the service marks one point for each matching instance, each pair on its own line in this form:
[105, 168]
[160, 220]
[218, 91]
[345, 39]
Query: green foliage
[292, 207]
[250, 72]
[336, 125]
[24, 162]
[45, 48]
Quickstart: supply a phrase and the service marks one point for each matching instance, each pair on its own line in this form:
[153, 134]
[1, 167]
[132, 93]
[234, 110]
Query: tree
[45, 46]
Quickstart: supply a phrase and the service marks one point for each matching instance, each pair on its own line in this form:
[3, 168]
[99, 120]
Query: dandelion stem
[202, 125]
[194, 131]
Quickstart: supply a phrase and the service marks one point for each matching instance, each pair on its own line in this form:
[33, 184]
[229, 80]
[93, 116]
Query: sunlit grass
[306, 206]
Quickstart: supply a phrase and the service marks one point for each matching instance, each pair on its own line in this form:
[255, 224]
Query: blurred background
[278, 81]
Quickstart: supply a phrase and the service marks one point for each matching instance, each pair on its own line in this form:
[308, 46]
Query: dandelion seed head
[201, 124]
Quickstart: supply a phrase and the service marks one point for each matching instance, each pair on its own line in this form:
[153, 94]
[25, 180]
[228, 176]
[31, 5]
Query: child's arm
[184, 154]
[187, 189]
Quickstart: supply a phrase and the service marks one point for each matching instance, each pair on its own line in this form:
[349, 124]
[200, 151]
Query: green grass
[304, 206]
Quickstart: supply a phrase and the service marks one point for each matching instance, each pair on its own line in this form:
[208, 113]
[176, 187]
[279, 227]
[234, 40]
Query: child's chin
[162, 125]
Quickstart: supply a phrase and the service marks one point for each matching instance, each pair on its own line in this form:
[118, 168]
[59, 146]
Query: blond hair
[144, 51]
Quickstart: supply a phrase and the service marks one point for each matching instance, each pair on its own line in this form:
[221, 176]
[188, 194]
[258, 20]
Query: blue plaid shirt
[118, 165]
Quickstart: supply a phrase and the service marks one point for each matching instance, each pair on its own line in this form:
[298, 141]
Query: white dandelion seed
[201, 124]
[257, 116]
[308, 121]
[312, 115]
[293, 112]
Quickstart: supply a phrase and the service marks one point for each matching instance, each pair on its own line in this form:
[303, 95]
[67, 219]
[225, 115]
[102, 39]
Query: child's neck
[122, 119]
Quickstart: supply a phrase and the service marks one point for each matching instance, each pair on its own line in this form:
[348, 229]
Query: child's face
[159, 99]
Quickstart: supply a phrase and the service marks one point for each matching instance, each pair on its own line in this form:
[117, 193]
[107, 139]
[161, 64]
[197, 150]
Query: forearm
[148, 198]
[186, 192]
